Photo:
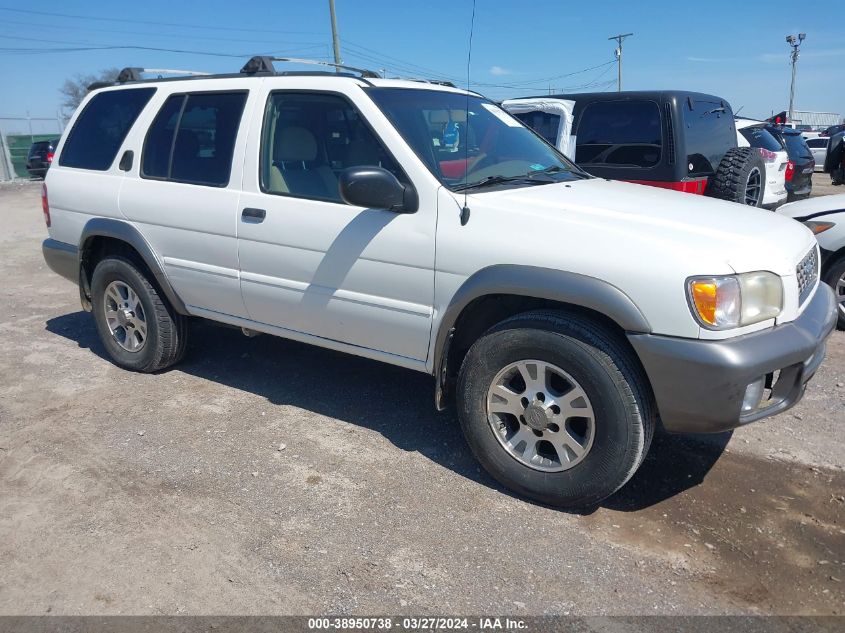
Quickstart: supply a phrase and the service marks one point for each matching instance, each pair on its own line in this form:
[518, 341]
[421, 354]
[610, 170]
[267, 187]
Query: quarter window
[101, 128]
[619, 133]
[192, 138]
[308, 139]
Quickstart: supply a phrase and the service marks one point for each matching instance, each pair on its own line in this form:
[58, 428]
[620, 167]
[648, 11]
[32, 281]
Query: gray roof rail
[134, 74]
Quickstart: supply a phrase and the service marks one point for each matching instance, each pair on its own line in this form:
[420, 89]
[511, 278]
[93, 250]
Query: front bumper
[699, 385]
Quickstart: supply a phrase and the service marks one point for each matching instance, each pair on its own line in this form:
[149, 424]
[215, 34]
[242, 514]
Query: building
[816, 119]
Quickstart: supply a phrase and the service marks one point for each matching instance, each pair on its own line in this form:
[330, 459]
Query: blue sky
[732, 49]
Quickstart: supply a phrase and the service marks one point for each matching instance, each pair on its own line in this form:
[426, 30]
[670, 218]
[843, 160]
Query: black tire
[836, 273]
[734, 178]
[166, 333]
[613, 380]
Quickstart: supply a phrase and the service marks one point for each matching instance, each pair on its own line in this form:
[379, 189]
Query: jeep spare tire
[740, 177]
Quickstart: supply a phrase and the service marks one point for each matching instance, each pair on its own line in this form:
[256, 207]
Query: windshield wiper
[497, 180]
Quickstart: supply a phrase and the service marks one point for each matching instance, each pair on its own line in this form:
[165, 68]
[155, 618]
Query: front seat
[296, 166]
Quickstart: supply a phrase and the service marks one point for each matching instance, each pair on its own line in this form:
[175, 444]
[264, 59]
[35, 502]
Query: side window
[308, 139]
[619, 133]
[816, 143]
[545, 124]
[192, 138]
[101, 127]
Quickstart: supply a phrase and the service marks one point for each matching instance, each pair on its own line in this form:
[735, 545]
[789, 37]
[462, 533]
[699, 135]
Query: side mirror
[376, 188]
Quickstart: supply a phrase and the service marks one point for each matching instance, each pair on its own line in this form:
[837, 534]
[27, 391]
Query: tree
[73, 91]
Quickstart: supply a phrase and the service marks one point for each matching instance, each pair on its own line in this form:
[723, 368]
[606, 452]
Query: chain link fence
[17, 134]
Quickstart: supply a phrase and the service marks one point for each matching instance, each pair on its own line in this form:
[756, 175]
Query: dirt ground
[262, 476]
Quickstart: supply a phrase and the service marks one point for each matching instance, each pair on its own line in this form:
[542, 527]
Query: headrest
[442, 116]
[295, 144]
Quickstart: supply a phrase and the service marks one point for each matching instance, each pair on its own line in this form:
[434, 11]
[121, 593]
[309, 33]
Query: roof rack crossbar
[263, 64]
[134, 74]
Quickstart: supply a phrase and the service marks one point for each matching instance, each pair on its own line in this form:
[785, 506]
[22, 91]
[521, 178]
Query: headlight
[818, 227]
[720, 303]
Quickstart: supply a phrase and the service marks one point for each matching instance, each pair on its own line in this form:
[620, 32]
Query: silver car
[819, 148]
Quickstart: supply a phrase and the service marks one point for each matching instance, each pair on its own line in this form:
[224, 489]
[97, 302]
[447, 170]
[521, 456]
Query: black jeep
[685, 141]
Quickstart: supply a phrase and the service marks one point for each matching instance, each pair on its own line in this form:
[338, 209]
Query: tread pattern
[728, 183]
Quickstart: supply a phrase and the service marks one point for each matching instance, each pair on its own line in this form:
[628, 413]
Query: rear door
[86, 180]
[182, 191]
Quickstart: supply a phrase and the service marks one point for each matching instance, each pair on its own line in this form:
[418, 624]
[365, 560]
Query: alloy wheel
[540, 415]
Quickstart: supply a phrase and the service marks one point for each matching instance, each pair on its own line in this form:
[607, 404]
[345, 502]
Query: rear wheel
[740, 177]
[835, 278]
[138, 327]
[555, 408]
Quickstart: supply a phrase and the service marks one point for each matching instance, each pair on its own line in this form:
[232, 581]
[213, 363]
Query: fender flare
[125, 232]
[539, 283]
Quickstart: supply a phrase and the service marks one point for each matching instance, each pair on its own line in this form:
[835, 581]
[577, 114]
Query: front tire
[835, 278]
[138, 327]
[555, 408]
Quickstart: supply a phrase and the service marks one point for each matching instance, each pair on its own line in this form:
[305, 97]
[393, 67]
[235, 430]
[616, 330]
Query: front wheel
[835, 278]
[555, 408]
[138, 327]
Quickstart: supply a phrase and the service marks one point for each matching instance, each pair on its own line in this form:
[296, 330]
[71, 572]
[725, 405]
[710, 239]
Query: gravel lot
[262, 476]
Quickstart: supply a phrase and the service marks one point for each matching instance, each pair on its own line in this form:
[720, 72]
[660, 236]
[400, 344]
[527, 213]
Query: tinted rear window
[709, 133]
[619, 133]
[796, 146]
[102, 126]
[817, 142]
[193, 138]
[758, 137]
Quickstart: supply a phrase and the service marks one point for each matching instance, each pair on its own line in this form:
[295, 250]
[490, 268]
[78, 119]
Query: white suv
[423, 226]
[751, 133]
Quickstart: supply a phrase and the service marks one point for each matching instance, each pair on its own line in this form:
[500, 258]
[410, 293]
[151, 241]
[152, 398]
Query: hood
[818, 207]
[699, 232]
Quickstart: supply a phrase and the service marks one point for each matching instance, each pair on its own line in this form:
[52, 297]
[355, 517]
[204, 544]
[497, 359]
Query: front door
[310, 262]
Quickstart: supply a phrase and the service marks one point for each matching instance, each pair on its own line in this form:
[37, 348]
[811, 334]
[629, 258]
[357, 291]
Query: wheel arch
[501, 291]
[108, 236]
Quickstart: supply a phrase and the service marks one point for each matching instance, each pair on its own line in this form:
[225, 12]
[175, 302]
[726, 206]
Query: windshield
[469, 140]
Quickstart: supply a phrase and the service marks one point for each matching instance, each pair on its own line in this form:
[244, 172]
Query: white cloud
[499, 71]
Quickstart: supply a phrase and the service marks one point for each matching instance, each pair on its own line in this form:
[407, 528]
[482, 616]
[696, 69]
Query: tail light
[45, 204]
[49, 157]
[768, 155]
[790, 171]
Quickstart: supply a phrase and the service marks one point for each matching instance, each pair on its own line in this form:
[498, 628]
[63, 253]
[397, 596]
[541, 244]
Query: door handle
[253, 215]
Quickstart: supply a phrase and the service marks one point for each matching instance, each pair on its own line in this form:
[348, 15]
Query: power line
[215, 37]
[37, 51]
[153, 23]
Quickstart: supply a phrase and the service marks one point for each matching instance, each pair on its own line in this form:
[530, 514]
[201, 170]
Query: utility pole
[794, 44]
[619, 39]
[335, 39]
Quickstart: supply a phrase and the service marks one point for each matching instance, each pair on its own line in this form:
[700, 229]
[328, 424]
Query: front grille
[807, 272]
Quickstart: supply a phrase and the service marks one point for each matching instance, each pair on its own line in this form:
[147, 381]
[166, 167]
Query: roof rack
[134, 74]
[264, 65]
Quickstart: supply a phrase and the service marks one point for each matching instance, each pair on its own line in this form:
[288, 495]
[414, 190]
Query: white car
[825, 216]
[752, 133]
[564, 314]
[818, 146]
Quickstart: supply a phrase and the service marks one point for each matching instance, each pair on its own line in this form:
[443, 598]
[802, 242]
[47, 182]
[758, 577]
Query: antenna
[465, 210]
